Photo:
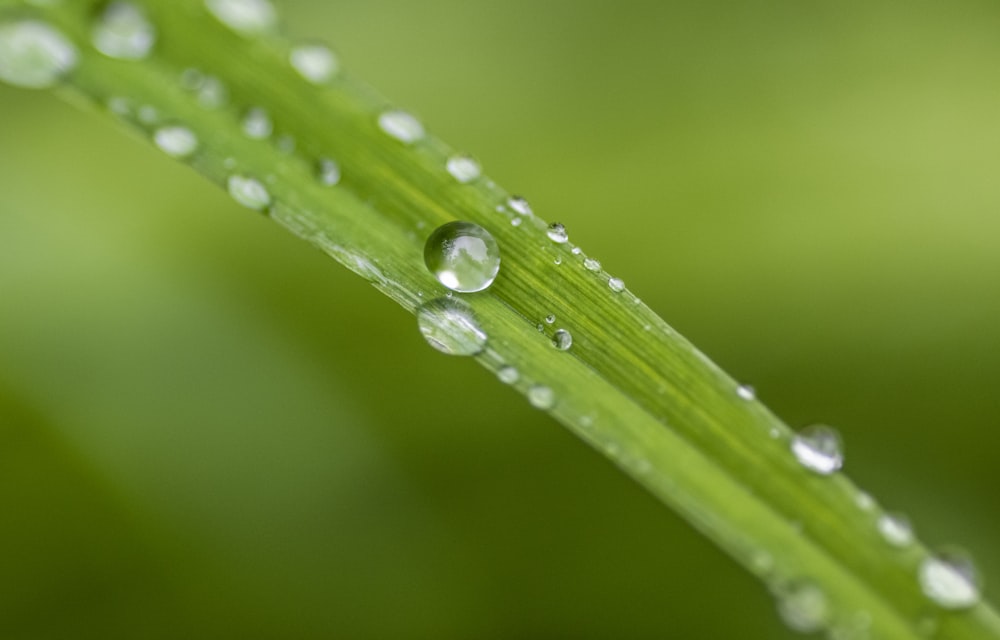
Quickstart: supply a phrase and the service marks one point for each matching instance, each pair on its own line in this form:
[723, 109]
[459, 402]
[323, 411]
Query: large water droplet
[895, 529]
[562, 339]
[591, 265]
[257, 124]
[248, 192]
[124, 32]
[616, 284]
[803, 607]
[34, 55]
[463, 168]
[247, 17]
[176, 141]
[519, 205]
[450, 326]
[401, 125]
[314, 62]
[463, 256]
[508, 374]
[818, 448]
[557, 233]
[541, 397]
[746, 392]
[950, 580]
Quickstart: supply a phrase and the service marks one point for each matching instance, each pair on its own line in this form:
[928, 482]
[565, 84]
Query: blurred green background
[210, 430]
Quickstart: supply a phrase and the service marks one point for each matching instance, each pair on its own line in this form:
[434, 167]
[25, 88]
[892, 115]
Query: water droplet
[550, 318]
[562, 339]
[463, 168]
[176, 141]
[248, 192]
[508, 375]
[148, 114]
[557, 261]
[329, 172]
[576, 251]
[34, 55]
[803, 607]
[123, 32]
[557, 233]
[818, 448]
[257, 124]
[314, 62]
[463, 256]
[616, 284]
[247, 17]
[591, 265]
[895, 529]
[541, 397]
[212, 94]
[450, 326]
[864, 501]
[519, 205]
[746, 392]
[949, 579]
[119, 106]
[774, 432]
[401, 125]
[515, 222]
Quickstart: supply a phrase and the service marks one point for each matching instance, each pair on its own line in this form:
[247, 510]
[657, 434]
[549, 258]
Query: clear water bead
[819, 449]
[557, 233]
[541, 397]
[803, 607]
[450, 326]
[257, 124]
[562, 340]
[463, 168]
[616, 284]
[950, 580]
[515, 222]
[212, 93]
[508, 374]
[591, 265]
[247, 17]
[463, 256]
[124, 32]
[401, 125]
[34, 55]
[519, 205]
[176, 141]
[248, 192]
[314, 62]
[328, 172]
[746, 392]
[549, 319]
[895, 529]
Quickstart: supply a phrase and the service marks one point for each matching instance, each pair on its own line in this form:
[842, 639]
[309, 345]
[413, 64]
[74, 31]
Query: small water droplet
[257, 124]
[803, 607]
[401, 125]
[746, 392]
[895, 529]
[148, 114]
[248, 192]
[515, 222]
[519, 205]
[328, 172]
[819, 449]
[463, 168]
[463, 256]
[314, 62]
[450, 326]
[212, 94]
[576, 251]
[541, 397]
[616, 284]
[119, 106]
[949, 579]
[557, 261]
[550, 318]
[508, 374]
[123, 32]
[774, 432]
[34, 55]
[864, 501]
[562, 339]
[557, 233]
[176, 141]
[247, 17]
[591, 265]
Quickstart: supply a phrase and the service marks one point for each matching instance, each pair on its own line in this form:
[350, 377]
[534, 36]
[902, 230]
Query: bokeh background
[209, 430]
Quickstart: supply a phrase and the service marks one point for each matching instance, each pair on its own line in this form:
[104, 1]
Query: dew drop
[541, 397]
[576, 251]
[949, 579]
[819, 449]
[123, 32]
[176, 141]
[803, 607]
[515, 222]
[463, 168]
[148, 114]
[864, 501]
[746, 392]
[401, 125]
[247, 17]
[248, 192]
[34, 55]
[557, 261]
[314, 62]
[212, 93]
[463, 256]
[562, 340]
[557, 233]
[895, 529]
[519, 205]
[257, 124]
[450, 326]
[550, 318]
[591, 265]
[119, 106]
[328, 172]
[616, 284]
[508, 374]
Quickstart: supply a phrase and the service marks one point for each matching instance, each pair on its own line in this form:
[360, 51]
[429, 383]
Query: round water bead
[124, 32]
[463, 256]
[950, 580]
[803, 607]
[33, 54]
[450, 326]
[562, 340]
[819, 449]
